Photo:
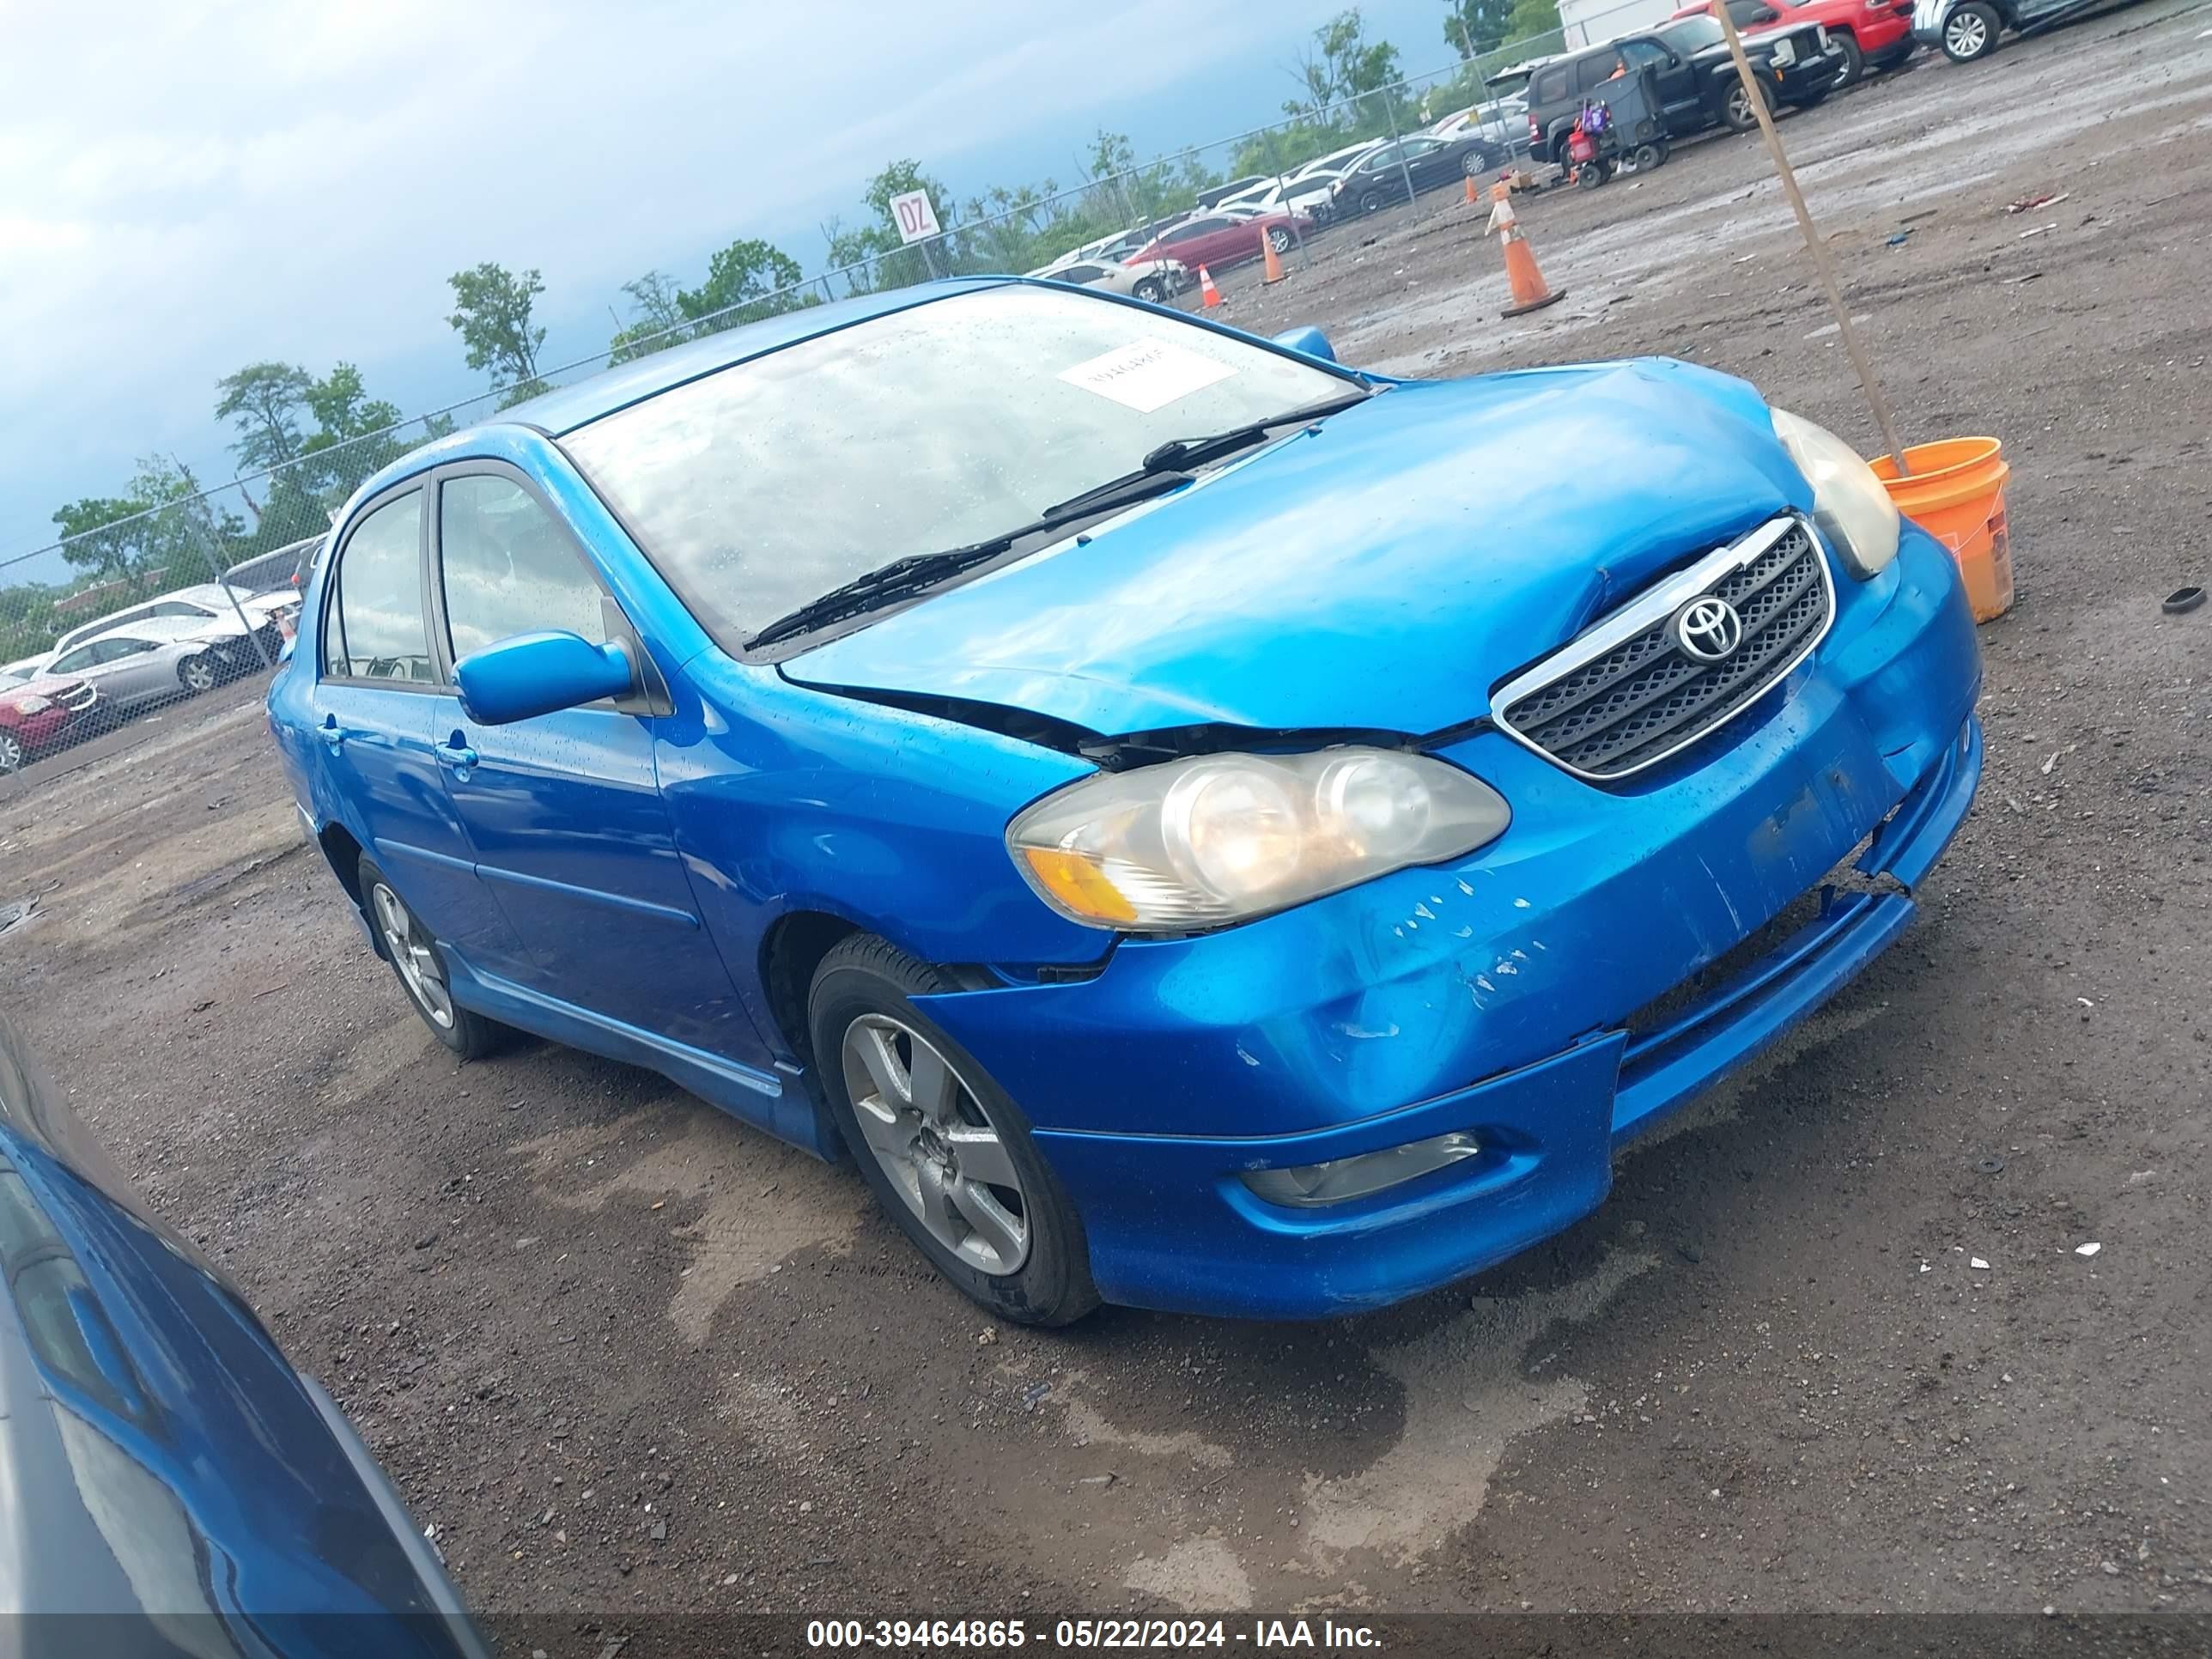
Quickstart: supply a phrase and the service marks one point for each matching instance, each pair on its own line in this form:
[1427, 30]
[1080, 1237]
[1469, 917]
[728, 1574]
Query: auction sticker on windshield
[1147, 373]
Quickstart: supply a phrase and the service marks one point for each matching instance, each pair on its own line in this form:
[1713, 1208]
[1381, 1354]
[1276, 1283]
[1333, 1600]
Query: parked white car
[1154, 281]
[158, 659]
[1305, 188]
[206, 602]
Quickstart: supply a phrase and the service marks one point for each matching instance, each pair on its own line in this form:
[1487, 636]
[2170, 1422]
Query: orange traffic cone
[1272, 271]
[1471, 202]
[1529, 293]
[1209, 294]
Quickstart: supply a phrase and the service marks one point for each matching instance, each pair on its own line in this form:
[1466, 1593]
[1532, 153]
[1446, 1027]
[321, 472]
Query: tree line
[316, 438]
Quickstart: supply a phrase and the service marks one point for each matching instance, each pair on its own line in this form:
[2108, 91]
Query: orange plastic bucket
[1956, 494]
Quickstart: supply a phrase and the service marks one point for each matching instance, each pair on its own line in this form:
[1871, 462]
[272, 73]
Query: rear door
[372, 708]
[564, 812]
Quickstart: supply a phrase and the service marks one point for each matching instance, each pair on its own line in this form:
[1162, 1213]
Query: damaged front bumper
[1557, 993]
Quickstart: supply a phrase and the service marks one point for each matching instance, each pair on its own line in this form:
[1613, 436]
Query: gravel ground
[629, 1357]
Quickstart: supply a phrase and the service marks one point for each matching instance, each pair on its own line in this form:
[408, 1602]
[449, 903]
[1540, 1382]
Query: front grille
[1626, 694]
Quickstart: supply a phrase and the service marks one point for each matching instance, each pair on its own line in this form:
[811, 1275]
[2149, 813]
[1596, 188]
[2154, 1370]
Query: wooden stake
[1818, 249]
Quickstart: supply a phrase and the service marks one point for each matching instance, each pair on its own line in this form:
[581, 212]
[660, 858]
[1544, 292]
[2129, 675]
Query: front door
[564, 812]
[374, 703]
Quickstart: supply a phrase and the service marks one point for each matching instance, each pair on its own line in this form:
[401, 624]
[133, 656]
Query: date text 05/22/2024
[832, 1634]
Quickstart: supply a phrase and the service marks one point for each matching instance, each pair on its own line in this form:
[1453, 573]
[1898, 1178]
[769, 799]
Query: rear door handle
[331, 732]
[461, 757]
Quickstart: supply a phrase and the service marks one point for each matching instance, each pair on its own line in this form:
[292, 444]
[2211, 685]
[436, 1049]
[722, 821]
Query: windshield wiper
[1172, 457]
[903, 577]
[1190, 451]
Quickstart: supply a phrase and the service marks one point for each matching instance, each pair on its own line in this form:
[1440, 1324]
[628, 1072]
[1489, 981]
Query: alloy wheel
[11, 753]
[197, 674]
[923, 1126]
[418, 966]
[1281, 239]
[1965, 35]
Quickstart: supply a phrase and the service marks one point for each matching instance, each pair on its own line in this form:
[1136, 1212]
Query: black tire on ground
[199, 672]
[11, 753]
[1735, 108]
[1854, 64]
[1648, 156]
[1148, 289]
[1970, 31]
[1373, 201]
[468, 1034]
[1476, 162]
[1591, 174]
[866, 979]
[1278, 238]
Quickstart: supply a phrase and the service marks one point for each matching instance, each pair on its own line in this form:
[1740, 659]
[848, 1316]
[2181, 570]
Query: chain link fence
[120, 624]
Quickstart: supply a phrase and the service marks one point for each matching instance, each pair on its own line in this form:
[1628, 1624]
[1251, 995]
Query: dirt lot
[628, 1356]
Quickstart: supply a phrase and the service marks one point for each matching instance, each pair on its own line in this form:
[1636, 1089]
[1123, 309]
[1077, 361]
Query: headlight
[33, 705]
[1215, 839]
[1783, 54]
[1850, 504]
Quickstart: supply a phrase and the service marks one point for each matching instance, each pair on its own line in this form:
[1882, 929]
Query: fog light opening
[1308, 1186]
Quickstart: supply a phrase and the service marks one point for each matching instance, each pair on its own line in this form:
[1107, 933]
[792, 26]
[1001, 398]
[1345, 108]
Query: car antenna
[1757, 98]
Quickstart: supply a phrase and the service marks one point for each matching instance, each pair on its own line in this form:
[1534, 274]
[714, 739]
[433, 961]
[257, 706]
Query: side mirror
[534, 674]
[1309, 341]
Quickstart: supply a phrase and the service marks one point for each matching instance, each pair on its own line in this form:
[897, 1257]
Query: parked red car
[36, 714]
[1217, 240]
[1871, 33]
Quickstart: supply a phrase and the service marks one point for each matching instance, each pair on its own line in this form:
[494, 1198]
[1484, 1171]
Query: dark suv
[1692, 74]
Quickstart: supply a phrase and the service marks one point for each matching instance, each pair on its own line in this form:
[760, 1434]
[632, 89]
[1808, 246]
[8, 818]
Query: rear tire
[1278, 238]
[945, 1150]
[420, 966]
[1971, 32]
[1648, 156]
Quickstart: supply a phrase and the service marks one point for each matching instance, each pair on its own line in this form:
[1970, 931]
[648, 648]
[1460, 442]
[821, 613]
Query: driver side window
[508, 568]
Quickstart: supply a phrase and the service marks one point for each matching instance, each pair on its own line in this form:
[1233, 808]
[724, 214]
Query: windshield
[766, 484]
[1693, 34]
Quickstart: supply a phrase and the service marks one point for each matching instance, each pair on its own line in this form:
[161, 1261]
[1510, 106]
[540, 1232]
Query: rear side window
[508, 568]
[377, 631]
[1598, 68]
[1549, 87]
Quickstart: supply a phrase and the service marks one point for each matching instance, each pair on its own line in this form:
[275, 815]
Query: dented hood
[1382, 573]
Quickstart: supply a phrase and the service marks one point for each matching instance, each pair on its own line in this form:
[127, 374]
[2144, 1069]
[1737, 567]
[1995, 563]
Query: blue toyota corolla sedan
[1201, 827]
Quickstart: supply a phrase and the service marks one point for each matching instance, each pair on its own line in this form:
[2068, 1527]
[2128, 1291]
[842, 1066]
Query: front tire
[413, 952]
[1854, 64]
[11, 753]
[1149, 291]
[945, 1150]
[1278, 238]
[1736, 113]
[197, 673]
[1373, 201]
[1971, 32]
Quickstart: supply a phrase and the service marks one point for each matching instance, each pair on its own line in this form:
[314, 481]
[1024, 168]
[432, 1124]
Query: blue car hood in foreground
[1382, 573]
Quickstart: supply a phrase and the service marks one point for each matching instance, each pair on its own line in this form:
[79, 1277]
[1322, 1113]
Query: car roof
[153, 628]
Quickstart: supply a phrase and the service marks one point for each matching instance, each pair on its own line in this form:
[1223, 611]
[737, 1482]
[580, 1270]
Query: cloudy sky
[187, 187]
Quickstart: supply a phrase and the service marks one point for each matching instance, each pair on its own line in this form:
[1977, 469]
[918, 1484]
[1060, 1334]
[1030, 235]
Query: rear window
[1693, 34]
[1551, 85]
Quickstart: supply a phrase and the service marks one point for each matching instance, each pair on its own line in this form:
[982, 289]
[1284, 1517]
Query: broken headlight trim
[1850, 503]
[1210, 840]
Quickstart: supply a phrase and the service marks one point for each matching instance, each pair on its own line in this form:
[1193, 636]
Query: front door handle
[331, 732]
[459, 756]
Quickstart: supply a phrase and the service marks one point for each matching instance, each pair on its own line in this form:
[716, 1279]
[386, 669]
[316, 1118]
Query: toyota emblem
[1708, 629]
